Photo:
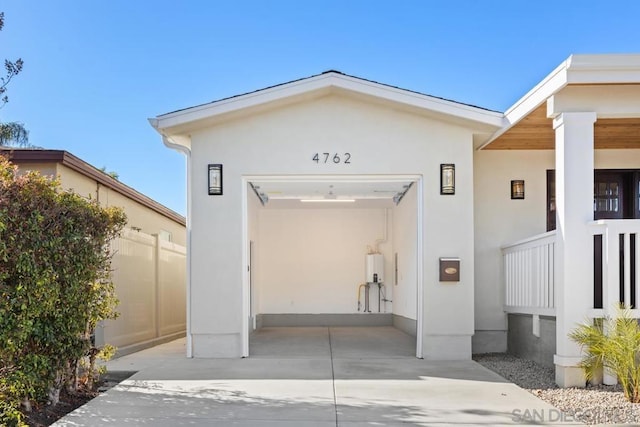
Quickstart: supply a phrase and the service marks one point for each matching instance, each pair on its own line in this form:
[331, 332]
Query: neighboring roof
[28, 155]
[177, 124]
[600, 69]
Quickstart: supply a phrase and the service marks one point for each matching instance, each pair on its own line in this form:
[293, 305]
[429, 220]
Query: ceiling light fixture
[330, 197]
[327, 200]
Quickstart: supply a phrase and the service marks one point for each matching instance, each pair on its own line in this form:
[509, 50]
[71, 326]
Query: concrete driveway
[310, 377]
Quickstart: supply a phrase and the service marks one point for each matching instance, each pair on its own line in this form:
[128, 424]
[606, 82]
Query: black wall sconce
[448, 179]
[517, 189]
[215, 180]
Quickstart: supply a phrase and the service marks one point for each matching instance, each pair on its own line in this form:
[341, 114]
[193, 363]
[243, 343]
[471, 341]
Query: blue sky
[96, 70]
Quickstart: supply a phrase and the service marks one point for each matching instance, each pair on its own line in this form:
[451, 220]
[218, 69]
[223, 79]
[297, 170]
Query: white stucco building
[522, 251]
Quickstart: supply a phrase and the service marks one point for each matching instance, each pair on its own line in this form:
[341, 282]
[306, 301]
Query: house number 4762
[332, 158]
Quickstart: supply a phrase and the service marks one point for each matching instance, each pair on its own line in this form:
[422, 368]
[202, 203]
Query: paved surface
[310, 377]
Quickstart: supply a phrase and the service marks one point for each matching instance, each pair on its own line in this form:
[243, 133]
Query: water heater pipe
[359, 289]
[386, 226]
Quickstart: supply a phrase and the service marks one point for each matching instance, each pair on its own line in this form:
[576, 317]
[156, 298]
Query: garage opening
[332, 252]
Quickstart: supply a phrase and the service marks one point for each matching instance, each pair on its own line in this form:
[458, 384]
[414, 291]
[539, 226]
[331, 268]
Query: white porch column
[574, 242]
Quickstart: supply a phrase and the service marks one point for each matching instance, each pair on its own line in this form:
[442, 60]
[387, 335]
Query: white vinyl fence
[150, 279]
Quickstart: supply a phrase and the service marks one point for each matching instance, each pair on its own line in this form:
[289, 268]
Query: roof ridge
[330, 71]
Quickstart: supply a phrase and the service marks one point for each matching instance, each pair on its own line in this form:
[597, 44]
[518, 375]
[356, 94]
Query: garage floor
[335, 342]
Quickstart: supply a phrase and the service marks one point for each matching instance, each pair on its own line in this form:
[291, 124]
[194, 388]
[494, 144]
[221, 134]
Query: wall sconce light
[448, 178]
[517, 189]
[215, 180]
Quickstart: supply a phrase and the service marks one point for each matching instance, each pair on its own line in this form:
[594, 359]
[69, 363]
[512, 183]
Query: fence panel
[149, 275]
[172, 310]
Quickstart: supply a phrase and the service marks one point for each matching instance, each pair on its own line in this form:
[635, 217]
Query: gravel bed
[599, 404]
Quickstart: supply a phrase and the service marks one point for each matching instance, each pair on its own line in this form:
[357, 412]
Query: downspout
[166, 140]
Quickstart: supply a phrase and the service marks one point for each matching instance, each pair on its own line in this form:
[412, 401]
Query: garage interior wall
[253, 208]
[405, 285]
[312, 260]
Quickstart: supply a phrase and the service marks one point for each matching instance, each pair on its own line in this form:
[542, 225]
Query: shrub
[54, 283]
[613, 344]
[10, 414]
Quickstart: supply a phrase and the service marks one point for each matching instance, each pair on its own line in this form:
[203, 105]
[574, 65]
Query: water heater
[374, 269]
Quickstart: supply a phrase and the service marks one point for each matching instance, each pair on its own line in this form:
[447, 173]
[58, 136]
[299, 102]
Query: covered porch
[586, 115]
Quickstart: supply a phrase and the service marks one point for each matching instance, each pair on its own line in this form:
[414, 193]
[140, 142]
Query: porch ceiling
[535, 132]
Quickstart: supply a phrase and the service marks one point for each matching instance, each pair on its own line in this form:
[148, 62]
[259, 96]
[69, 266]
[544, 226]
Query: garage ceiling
[330, 193]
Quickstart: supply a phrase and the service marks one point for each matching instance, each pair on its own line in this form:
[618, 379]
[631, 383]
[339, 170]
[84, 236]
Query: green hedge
[54, 285]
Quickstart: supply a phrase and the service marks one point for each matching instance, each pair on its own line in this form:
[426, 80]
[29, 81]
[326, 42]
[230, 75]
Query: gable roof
[328, 72]
[176, 125]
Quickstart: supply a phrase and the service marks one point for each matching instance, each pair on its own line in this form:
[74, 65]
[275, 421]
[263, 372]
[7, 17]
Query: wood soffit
[535, 132]
[26, 156]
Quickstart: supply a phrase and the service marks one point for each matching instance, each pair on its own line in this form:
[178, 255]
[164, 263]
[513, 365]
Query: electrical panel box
[374, 271]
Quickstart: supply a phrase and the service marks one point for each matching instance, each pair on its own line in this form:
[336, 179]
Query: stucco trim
[26, 156]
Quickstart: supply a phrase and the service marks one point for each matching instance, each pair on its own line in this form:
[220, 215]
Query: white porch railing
[618, 286]
[529, 275]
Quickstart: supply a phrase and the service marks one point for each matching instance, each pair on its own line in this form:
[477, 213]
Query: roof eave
[577, 69]
[552, 83]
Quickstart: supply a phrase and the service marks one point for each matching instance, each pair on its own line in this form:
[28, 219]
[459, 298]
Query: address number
[332, 158]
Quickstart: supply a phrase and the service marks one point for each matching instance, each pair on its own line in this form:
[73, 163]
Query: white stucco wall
[500, 220]
[381, 140]
[617, 159]
[312, 260]
[405, 244]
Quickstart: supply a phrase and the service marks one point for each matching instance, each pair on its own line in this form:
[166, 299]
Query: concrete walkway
[310, 377]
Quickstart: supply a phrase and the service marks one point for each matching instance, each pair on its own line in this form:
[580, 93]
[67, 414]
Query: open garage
[333, 251]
